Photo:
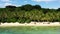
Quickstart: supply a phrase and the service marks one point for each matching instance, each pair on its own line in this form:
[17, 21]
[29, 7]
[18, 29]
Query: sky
[52, 4]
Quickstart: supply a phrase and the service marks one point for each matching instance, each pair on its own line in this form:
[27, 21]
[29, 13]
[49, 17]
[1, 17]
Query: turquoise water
[27, 31]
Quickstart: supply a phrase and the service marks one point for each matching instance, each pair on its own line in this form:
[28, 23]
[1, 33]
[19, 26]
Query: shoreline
[31, 24]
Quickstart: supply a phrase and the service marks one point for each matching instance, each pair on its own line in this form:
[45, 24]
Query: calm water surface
[18, 31]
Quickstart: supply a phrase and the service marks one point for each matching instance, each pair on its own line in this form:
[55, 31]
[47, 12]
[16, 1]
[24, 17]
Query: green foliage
[26, 7]
[38, 7]
[58, 9]
[28, 13]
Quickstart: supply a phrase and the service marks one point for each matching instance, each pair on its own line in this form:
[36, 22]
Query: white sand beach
[32, 24]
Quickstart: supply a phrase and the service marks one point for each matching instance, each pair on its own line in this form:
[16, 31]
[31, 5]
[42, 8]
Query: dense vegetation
[28, 13]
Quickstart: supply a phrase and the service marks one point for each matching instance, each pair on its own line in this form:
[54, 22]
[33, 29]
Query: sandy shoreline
[31, 24]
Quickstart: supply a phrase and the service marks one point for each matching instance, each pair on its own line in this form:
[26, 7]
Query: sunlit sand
[32, 24]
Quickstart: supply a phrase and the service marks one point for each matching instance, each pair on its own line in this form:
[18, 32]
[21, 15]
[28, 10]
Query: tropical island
[29, 16]
[28, 13]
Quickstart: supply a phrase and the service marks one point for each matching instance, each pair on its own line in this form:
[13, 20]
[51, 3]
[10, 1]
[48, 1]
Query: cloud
[6, 0]
[43, 0]
[6, 4]
[11, 4]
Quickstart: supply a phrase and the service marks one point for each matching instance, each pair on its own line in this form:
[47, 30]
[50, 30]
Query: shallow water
[18, 31]
[30, 32]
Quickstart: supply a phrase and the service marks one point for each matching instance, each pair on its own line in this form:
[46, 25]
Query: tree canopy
[28, 13]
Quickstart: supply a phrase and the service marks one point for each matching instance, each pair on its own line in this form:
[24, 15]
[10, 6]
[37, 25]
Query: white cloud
[6, 4]
[11, 4]
[5, 0]
[43, 0]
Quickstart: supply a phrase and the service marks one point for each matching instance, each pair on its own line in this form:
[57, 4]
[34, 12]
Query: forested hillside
[28, 13]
